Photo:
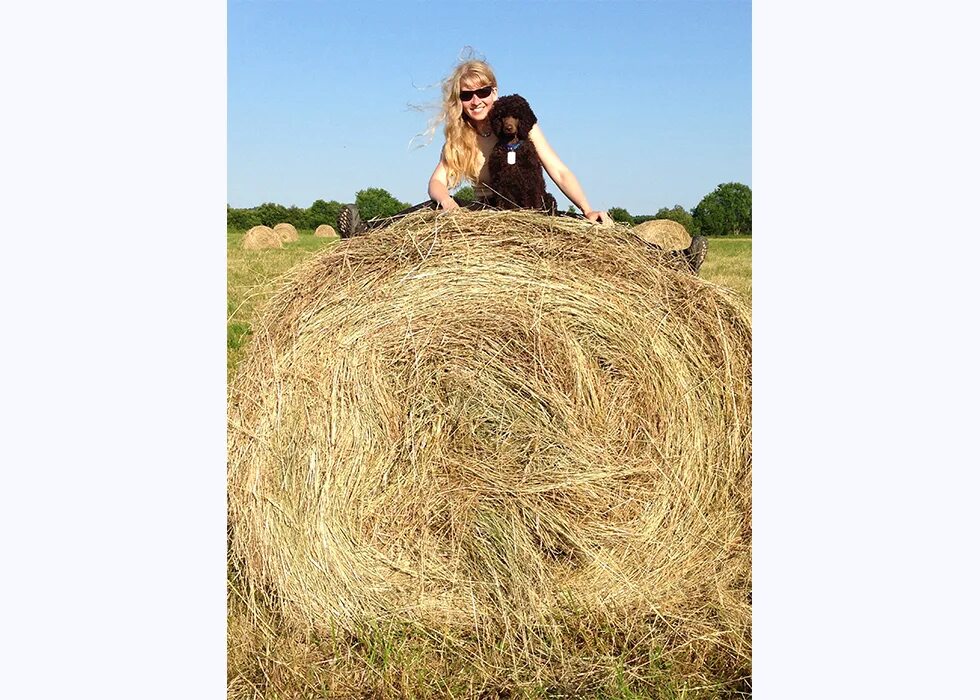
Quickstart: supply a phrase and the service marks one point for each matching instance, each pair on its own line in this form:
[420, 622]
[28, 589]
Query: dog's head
[511, 114]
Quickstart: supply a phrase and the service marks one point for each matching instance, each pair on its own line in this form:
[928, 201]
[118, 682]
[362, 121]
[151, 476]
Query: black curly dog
[516, 177]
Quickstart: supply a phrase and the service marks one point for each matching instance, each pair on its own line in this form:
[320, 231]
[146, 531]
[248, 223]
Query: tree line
[371, 202]
[726, 211]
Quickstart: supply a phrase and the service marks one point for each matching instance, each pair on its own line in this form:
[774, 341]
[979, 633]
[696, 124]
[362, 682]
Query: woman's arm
[439, 186]
[563, 177]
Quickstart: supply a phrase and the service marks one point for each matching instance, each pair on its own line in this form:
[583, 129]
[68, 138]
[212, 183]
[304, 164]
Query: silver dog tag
[511, 157]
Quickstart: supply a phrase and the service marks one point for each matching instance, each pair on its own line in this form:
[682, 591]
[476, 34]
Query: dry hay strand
[501, 426]
[287, 232]
[325, 231]
[664, 233]
[259, 237]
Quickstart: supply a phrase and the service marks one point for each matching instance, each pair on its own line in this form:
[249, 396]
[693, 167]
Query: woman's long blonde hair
[461, 152]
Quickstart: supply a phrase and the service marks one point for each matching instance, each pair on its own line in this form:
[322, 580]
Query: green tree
[322, 212]
[242, 219]
[297, 216]
[374, 202]
[619, 214]
[270, 213]
[681, 216]
[465, 194]
[727, 211]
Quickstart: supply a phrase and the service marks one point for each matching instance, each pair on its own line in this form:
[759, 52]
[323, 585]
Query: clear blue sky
[648, 102]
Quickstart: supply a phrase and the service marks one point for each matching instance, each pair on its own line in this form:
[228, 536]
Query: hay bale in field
[259, 237]
[490, 422]
[287, 232]
[664, 233]
[325, 231]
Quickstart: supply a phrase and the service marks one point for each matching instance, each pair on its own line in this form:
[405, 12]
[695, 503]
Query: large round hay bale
[664, 233]
[325, 231]
[500, 425]
[287, 232]
[259, 237]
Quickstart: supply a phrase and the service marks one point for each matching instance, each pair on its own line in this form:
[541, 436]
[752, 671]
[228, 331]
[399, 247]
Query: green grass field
[265, 662]
[252, 277]
[729, 263]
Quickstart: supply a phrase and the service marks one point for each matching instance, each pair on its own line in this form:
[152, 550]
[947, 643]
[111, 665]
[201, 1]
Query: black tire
[696, 253]
[348, 221]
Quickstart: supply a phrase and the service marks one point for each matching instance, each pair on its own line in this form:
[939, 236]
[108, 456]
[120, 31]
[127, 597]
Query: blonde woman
[467, 96]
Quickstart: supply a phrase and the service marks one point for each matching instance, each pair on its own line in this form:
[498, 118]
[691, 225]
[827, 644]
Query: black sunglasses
[482, 93]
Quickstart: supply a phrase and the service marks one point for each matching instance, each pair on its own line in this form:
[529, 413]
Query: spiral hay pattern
[287, 232]
[492, 423]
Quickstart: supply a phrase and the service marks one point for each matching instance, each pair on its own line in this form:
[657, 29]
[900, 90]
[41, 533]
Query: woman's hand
[600, 217]
[439, 188]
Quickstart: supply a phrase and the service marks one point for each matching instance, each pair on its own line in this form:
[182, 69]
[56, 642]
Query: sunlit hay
[502, 426]
[287, 232]
[325, 231]
[259, 237]
[664, 233]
